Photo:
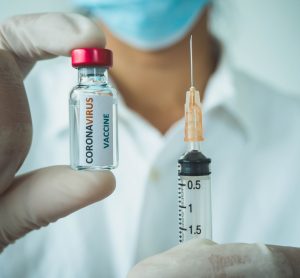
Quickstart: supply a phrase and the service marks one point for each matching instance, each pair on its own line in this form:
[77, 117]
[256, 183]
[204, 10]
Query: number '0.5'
[190, 184]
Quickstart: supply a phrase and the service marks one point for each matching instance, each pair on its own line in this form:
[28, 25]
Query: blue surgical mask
[147, 24]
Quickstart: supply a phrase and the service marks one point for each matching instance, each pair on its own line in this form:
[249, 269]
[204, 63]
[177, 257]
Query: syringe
[194, 192]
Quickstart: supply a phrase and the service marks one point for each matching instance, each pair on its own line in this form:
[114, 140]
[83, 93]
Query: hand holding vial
[38, 198]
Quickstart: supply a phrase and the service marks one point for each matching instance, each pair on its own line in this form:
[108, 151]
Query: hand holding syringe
[194, 173]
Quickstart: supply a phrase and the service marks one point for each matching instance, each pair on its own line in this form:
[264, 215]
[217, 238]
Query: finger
[43, 196]
[174, 262]
[15, 120]
[194, 243]
[41, 36]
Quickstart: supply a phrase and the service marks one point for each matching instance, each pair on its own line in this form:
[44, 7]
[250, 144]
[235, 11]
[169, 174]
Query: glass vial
[93, 112]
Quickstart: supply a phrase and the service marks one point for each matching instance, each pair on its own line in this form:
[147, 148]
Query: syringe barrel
[194, 196]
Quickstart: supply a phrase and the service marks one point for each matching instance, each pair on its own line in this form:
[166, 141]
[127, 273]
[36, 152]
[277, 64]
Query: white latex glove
[35, 199]
[203, 258]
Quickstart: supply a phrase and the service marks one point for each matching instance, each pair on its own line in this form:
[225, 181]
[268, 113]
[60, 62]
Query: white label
[96, 130]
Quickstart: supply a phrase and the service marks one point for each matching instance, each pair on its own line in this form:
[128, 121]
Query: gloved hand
[202, 258]
[35, 199]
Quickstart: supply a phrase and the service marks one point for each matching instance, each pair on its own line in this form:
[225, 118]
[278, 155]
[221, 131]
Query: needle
[193, 112]
[191, 61]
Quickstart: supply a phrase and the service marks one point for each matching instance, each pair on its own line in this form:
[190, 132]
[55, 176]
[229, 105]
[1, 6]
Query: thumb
[34, 37]
[40, 197]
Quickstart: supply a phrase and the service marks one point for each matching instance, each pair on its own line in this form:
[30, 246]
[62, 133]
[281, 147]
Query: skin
[162, 75]
[165, 76]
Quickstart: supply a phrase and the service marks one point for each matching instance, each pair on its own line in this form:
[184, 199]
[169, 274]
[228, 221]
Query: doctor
[139, 219]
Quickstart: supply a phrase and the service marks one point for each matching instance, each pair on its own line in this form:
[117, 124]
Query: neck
[92, 76]
[154, 83]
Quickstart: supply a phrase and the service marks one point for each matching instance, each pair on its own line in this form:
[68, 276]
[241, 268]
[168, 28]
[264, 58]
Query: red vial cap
[91, 57]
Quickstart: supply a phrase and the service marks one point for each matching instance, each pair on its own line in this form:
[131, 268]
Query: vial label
[194, 207]
[96, 130]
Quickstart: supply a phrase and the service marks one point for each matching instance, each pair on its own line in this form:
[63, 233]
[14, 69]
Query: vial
[93, 112]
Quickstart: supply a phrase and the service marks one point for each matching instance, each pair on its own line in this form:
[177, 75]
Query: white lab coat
[252, 136]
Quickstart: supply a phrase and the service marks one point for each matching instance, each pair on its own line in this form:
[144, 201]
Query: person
[252, 200]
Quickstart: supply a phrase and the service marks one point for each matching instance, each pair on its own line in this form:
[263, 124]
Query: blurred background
[260, 37]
